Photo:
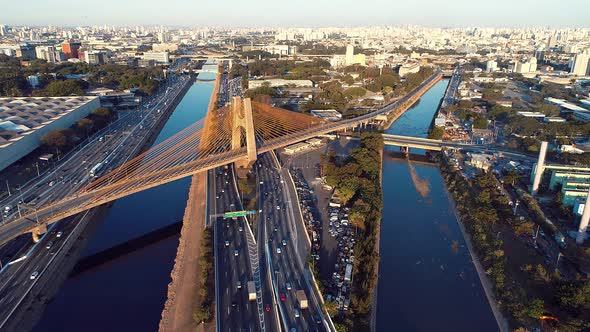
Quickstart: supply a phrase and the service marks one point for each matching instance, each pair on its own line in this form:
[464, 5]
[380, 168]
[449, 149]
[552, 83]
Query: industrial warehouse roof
[23, 115]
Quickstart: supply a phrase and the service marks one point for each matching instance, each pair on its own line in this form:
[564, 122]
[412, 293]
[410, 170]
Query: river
[128, 294]
[427, 281]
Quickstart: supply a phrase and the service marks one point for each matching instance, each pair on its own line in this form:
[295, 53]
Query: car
[34, 275]
[236, 253]
[240, 229]
[283, 297]
[275, 229]
[59, 234]
[267, 307]
[288, 285]
[278, 207]
[49, 244]
[239, 285]
[296, 313]
[278, 250]
[234, 304]
[53, 252]
[284, 242]
[317, 319]
[226, 243]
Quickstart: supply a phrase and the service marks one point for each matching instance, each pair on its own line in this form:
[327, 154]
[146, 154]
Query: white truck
[251, 291]
[301, 299]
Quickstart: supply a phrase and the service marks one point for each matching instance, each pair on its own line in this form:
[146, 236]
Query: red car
[267, 308]
[283, 297]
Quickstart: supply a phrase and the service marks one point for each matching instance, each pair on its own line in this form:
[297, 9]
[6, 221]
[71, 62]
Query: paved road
[113, 146]
[102, 152]
[279, 223]
[17, 280]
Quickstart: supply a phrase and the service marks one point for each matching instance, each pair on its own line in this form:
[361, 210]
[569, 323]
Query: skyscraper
[70, 49]
[580, 64]
[349, 55]
[3, 30]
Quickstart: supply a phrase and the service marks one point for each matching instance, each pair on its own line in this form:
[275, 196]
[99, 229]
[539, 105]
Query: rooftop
[22, 115]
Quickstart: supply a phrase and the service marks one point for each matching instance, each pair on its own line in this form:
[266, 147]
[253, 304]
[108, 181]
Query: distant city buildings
[159, 57]
[491, 66]
[581, 64]
[525, 66]
[70, 49]
[95, 57]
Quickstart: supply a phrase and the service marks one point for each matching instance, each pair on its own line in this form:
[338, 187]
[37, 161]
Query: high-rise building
[70, 49]
[491, 66]
[540, 54]
[3, 30]
[349, 55]
[552, 42]
[580, 64]
[95, 57]
[525, 66]
[45, 53]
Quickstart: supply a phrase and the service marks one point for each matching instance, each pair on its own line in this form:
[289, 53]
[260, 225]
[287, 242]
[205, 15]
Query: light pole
[8, 187]
[557, 263]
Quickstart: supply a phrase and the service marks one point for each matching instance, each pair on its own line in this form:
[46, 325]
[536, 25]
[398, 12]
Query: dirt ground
[183, 290]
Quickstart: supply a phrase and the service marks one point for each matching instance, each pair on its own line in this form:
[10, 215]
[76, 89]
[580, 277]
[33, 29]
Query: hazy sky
[498, 13]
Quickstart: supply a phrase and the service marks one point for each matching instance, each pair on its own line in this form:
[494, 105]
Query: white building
[160, 57]
[349, 55]
[408, 68]
[491, 66]
[25, 120]
[580, 64]
[526, 66]
[45, 53]
[277, 82]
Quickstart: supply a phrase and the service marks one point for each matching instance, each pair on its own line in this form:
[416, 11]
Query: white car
[236, 253]
[59, 234]
[278, 207]
[34, 275]
[278, 250]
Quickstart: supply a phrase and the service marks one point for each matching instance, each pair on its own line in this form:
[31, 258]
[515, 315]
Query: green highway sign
[235, 214]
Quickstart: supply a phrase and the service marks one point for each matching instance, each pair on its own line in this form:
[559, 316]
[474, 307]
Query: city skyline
[431, 13]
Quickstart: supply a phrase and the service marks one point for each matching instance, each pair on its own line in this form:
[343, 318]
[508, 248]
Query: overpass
[235, 133]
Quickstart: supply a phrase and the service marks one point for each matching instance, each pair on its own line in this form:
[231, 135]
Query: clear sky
[309, 13]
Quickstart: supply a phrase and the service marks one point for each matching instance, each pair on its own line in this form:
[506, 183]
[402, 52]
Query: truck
[301, 299]
[251, 291]
[95, 170]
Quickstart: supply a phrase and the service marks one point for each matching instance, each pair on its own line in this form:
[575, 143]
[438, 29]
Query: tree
[103, 112]
[511, 177]
[548, 109]
[64, 88]
[436, 132]
[354, 92]
[55, 139]
[480, 122]
[535, 308]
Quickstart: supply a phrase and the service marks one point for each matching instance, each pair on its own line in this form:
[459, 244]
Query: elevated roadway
[180, 157]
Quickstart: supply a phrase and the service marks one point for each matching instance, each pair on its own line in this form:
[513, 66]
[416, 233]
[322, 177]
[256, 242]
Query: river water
[427, 281]
[128, 294]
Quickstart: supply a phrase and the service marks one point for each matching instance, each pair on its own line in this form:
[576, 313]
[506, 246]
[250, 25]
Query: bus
[95, 169]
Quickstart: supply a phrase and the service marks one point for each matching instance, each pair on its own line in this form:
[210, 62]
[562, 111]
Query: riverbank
[184, 288]
[378, 252]
[483, 278]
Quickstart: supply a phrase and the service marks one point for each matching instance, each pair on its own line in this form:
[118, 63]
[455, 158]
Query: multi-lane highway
[111, 147]
[104, 151]
[281, 237]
